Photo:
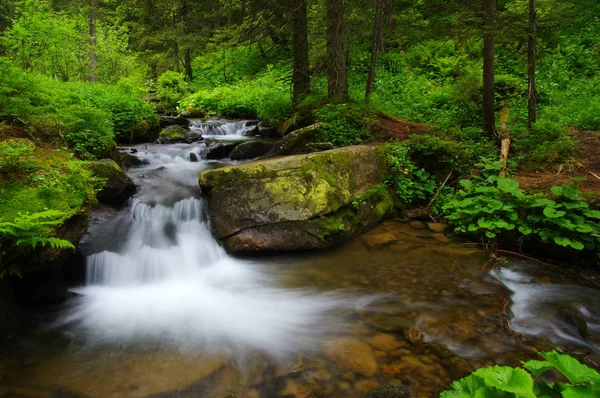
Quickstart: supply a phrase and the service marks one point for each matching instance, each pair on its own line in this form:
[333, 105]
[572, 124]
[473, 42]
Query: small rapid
[159, 277]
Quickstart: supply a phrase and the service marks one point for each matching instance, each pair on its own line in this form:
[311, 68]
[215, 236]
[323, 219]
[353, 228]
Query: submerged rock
[353, 355]
[299, 202]
[389, 391]
[118, 187]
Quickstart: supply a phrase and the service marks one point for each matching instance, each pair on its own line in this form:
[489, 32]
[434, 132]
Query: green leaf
[552, 213]
[508, 379]
[537, 367]
[592, 214]
[468, 385]
[580, 391]
[574, 371]
[508, 185]
[543, 202]
[562, 241]
[558, 191]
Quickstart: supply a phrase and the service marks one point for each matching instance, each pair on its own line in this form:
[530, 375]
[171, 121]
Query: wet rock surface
[118, 187]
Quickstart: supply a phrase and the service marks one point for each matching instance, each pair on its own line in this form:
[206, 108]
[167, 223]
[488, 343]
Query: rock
[316, 147]
[221, 150]
[252, 132]
[378, 240]
[386, 322]
[118, 187]
[193, 157]
[145, 131]
[299, 202]
[414, 335]
[418, 225]
[251, 123]
[437, 227]
[172, 134]
[267, 131]
[388, 391]
[418, 214]
[385, 342]
[250, 149]
[574, 320]
[292, 142]
[195, 113]
[352, 354]
[12, 315]
[165, 121]
[362, 386]
[128, 161]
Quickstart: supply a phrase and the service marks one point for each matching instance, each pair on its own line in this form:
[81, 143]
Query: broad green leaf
[537, 367]
[592, 213]
[508, 379]
[558, 191]
[552, 213]
[580, 391]
[569, 191]
[543, 202]
[466, 184]
[562, 241]
[508, 185]
[574, 371]
[575, 205]
[468, 385]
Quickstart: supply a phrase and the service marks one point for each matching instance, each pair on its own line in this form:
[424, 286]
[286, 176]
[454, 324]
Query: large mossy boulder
[118, 187]
[294, 142]
[297, 202]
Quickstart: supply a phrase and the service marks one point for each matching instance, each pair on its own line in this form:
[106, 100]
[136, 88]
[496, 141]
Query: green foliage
[171, 89]
[504, 381]
[491, 207]
[344, 124]
[85, 116]
[266, 97]
[12, 153]
[410, 183]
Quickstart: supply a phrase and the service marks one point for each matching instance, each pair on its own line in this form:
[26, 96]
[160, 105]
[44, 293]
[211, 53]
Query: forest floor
[584, 165]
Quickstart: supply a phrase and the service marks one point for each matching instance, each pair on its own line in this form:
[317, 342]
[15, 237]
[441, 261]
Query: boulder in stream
[294, 142]
[118, 187]
[220, 149]
[297, 202]
[173, 120]
[250, 149]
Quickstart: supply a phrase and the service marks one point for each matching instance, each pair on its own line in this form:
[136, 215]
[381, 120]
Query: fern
[31, 230]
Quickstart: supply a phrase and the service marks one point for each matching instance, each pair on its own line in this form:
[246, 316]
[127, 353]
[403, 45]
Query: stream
[166, 312]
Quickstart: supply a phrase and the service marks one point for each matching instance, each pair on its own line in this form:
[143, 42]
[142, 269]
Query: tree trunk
[189, 73]
[489, 10]
[301, 76]
[377, 44]
[531, 53]
[337, 78]
[92, 40]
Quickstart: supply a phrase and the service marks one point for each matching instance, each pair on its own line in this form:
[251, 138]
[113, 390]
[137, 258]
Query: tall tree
[301, 76]
[531, 55]
[377, 45]
[337, 77]
[489, 17]
[92, 40]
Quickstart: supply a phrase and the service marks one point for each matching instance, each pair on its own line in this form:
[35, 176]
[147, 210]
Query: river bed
[166, 312]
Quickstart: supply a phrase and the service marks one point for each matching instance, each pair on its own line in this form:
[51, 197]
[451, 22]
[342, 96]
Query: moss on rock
[297, 202]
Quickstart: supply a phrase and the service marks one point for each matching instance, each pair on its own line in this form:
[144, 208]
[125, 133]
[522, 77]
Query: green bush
[411, 184]
[493, 208]
[171, 89]
[344, 124]
[12, 154]
[504, 381]
[266, 97]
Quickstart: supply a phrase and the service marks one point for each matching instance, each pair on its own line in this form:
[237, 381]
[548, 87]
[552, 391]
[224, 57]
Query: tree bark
[377, 44]
[189, 73]
[301, 75]
[489, 16]
[531, 55]
[337, 78]
[92, 76]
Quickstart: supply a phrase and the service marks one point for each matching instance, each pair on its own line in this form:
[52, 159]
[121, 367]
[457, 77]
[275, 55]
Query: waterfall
[171, 283]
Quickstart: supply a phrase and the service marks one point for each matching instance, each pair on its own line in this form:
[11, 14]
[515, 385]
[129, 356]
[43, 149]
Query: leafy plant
[504, 381]
[12, 152]
[344, 124]
[492, 207]
[171, 89]
[410, 183]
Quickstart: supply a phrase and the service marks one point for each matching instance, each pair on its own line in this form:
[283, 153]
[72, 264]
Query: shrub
[344, 124]
[12, 153]
[171, 89]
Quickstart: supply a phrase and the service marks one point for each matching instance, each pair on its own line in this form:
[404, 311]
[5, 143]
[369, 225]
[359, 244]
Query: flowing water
[166, 312]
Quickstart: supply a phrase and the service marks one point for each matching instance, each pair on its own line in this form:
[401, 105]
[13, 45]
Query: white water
[170, 283]
[218, 128]
[535, 305]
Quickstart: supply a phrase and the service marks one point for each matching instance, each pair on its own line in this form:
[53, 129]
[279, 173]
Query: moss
[173, 132]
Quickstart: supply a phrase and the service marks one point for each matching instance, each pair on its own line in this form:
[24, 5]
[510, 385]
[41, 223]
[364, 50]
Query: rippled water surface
[166, 312]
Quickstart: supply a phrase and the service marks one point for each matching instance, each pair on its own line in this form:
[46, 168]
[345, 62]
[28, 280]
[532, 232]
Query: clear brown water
[400, 305]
